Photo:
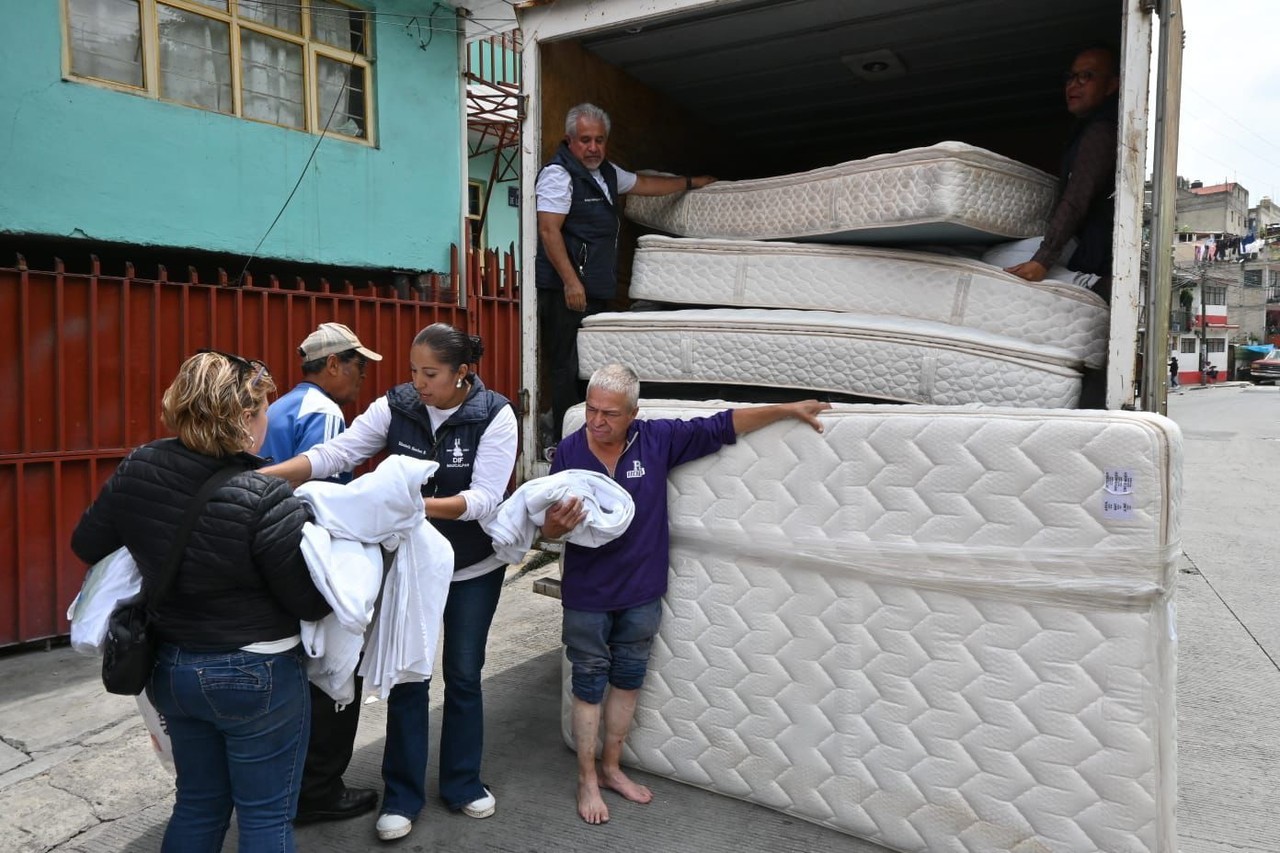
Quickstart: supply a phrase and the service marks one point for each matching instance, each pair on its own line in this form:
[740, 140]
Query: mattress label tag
[1117, 507]
[1119, 481]
[1116, 503]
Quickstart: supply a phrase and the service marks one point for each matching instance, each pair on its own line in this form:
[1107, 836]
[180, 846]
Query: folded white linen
[108, 582]
[383, 507]
[349, 576]
[514, 524]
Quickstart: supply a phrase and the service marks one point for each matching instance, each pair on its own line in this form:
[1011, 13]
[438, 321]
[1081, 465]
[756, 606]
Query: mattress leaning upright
[939, 629]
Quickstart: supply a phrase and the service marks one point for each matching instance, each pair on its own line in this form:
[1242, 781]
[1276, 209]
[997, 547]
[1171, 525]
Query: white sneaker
[483, 807]
[393, 826]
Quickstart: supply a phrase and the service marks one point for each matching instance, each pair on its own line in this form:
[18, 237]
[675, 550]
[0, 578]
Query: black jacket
[242, 578]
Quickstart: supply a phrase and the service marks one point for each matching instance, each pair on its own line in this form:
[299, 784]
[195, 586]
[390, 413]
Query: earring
[459, 385]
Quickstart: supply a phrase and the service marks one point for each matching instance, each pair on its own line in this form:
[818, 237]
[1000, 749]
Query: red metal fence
[84, 359]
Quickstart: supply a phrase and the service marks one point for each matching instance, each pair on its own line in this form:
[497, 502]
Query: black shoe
[350, 803]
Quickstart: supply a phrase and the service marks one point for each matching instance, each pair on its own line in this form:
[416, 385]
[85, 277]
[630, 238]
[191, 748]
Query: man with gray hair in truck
[576, 271]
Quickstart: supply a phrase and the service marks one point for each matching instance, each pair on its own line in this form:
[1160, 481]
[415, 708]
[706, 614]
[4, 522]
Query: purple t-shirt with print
[632, 569]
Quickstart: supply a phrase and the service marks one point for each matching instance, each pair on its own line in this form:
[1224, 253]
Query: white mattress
[864, 280]
[949, 192]
[938, 629]
[882, 357]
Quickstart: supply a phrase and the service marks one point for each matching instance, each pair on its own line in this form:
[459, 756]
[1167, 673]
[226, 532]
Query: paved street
[76, 775]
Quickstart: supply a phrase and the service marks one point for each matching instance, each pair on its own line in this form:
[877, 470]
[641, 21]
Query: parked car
[1266, 369]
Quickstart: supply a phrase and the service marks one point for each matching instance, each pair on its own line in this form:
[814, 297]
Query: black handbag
[129, 650]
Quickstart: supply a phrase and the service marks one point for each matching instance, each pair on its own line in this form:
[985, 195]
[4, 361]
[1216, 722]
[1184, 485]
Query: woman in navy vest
[444, 413]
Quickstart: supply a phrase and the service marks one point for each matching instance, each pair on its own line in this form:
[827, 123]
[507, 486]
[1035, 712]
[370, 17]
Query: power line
[390, 17]
[1231, 118]
[305, 166]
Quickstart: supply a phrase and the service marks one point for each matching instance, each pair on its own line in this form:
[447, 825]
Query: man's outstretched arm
[668, 184]
[756, 417]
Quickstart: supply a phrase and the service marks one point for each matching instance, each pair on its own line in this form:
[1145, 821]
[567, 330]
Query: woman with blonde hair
[230, 675]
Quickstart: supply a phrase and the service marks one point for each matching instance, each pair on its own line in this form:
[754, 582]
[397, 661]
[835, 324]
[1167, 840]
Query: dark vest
[454, 447]
[590, 230]
[1094, 236]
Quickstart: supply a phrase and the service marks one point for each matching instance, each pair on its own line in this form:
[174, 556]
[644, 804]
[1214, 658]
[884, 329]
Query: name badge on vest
[413, 451]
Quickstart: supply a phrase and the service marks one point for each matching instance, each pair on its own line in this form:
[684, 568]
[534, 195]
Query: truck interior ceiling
[750, 89]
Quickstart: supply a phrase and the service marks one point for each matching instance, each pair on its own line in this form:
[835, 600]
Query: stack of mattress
[887, 358]
[920, 327]
[938, 629]
[946, 193]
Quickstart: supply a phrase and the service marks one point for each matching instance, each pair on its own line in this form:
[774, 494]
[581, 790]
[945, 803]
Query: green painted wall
[80, 160]
[502, 225]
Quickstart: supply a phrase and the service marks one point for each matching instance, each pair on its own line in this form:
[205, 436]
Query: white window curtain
[271, 79]
[337, 25]
[282, 14]
[195, 59]
[106, 40]
[348, 117]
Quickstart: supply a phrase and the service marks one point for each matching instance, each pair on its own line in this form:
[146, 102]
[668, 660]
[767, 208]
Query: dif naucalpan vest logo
[637, 470]
[457, 455]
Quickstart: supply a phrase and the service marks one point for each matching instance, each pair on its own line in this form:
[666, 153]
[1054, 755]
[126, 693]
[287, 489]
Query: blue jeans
[609, 648]
[239, 723]
[468, 612]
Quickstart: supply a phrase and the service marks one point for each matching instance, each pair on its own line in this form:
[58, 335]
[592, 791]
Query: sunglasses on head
[244, 365]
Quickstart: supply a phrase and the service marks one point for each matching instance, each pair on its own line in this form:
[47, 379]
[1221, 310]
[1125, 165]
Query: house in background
[1201, 329]
[1209, 297]
[1211, 221]
[190, 123]
[1264, 218]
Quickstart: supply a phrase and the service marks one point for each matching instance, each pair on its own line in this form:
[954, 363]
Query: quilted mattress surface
[949, 192]
[878, 356]
[867, 280]
[942, 630]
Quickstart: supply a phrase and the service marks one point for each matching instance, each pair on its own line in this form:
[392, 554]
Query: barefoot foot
[616, 780]
[591, 807]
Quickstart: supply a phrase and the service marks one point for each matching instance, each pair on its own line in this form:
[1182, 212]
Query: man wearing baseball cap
[333, 365]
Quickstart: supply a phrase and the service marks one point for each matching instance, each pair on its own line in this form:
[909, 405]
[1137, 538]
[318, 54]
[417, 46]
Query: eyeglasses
[244, 365]
[1082, 77]
[354, 356]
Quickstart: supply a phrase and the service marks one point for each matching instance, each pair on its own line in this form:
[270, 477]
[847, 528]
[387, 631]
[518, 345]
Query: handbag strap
[216, 479]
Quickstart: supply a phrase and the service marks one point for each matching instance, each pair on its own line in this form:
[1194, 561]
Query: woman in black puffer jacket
[230, 676]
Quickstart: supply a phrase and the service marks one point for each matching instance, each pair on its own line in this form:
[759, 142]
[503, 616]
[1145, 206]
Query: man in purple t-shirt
[612, 594]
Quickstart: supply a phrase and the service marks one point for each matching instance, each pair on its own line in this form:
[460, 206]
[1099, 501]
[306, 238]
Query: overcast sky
[1231, 95]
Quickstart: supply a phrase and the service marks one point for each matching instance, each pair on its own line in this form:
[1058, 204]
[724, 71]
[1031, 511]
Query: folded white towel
[514, 524]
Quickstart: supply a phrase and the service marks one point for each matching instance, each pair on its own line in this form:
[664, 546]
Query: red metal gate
[84, 359]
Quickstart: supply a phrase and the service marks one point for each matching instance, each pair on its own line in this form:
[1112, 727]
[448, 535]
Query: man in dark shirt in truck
[578, 193]
[612, 594]
[1085, 210]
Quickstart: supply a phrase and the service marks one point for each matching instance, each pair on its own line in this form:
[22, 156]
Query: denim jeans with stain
[239, 724]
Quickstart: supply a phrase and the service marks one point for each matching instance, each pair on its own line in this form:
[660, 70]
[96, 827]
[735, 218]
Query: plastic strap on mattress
[1095, 577]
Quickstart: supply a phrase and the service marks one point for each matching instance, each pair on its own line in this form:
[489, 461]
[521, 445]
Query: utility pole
[1204, 325]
